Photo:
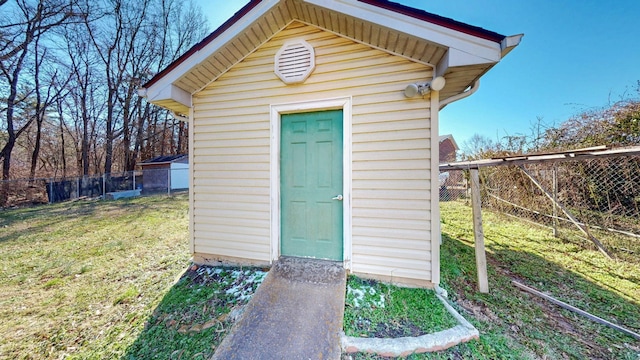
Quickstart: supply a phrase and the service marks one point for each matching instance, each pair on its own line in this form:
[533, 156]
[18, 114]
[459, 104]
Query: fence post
[478, 233]
[555, 200]
[104, 186]
[51, 191]
[133, 175]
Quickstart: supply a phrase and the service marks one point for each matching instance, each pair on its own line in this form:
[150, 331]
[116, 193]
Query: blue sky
[576, 55]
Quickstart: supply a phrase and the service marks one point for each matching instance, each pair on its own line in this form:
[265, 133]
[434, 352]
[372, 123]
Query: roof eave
[467, 45]
[445, 33]
[163, 162]
[161, 87]
[471, 85]
[436, 19]
[204, 42]
[450, 137]
[509, 43]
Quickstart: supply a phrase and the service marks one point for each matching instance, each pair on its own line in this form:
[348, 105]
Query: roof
[437, 19]
[164, 159]
[450, 137]
[551, 157]
[460, 52]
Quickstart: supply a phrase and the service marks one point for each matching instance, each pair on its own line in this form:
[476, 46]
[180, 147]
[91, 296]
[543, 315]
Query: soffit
[461, 77]
[279, 16]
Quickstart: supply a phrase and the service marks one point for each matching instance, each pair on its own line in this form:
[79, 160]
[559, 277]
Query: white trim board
[343, 103]
[192, 236]
[436, 235]
[476, 47]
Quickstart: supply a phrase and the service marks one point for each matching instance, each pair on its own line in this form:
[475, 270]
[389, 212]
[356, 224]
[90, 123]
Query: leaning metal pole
[567, 213]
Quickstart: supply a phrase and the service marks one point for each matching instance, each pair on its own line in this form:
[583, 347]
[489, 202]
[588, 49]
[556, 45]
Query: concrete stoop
[296, 313]
[405, 346]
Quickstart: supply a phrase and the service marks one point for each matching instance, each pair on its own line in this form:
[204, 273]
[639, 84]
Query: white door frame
[344, 104]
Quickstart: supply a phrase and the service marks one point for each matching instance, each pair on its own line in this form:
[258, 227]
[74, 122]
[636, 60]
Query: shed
[313, 129]
[163, 173]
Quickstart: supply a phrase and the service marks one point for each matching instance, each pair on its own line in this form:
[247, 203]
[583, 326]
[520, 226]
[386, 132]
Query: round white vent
[295, 61]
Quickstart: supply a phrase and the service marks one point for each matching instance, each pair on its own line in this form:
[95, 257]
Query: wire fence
[107, 186]
[597, 198]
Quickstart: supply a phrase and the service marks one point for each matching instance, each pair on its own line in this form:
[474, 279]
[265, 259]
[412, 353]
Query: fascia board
[215, 45]
[509, 43]
[456, 58]
[155, 163]
[461, 58]
[169, 91]
[478, 47]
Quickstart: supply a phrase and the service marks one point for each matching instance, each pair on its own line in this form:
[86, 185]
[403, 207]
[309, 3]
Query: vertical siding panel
[391, 149]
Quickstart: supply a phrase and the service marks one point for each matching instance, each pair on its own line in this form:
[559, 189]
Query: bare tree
[69, 71]
[19, 29]
[83, 104]
[113, 33]
[131, 39]
[46, 94]
[177, 26]
[477, 146]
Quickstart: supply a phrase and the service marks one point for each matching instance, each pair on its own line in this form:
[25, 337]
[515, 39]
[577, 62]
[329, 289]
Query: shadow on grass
[23, 222]
[195, 314]
[169, 332]
[531, 324]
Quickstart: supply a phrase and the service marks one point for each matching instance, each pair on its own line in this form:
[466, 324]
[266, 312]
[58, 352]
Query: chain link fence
[108, 186]
[599, 195]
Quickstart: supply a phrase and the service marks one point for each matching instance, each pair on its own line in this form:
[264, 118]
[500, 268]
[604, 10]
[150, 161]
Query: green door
[311, 185]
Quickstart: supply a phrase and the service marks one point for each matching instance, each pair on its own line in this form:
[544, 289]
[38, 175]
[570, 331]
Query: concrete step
[296, 313]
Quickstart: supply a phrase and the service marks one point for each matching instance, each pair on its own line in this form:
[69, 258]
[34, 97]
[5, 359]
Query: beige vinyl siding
[391, 169]
[391, 191]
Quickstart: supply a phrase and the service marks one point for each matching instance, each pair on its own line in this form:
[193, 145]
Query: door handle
[338, 197]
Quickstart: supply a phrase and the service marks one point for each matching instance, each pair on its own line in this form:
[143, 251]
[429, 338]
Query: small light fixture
[436, 84]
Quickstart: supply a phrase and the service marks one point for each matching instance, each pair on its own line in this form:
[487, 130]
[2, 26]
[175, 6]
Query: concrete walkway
[296, 313]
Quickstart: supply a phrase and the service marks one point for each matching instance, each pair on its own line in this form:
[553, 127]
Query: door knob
[338, 197]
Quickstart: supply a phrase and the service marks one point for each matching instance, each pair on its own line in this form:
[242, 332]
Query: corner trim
[192, 239]
[436, 235]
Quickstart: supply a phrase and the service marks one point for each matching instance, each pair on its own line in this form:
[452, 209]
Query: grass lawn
[81, 279]
[375, 309]
[196, 314]
[514, 324]
[107, 280]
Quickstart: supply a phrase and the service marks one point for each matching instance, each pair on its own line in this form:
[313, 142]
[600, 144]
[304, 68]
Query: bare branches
[69, 70]
[38, 19]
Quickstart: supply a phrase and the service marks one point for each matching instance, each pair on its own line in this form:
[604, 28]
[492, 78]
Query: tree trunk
[163, 142]
[139, 146]
[181, 138]
[39, 114]
[62, 138]
[7, 150]
[108, 145]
